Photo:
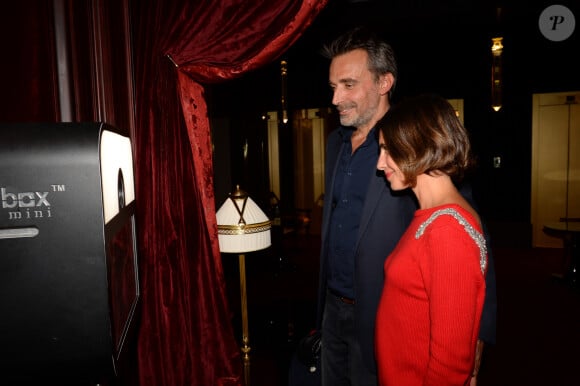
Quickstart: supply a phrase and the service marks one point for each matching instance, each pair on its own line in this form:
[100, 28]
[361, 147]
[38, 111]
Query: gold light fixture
[284, 75]
[243, 227]
[496, 69]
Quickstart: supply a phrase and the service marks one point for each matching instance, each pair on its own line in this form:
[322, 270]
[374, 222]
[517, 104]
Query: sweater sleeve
[455, 287]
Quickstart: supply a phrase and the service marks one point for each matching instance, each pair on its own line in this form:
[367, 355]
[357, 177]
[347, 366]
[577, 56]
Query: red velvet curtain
[186, 336]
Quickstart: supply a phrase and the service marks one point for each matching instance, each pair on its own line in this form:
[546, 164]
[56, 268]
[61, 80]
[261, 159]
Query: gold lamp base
[245, 335]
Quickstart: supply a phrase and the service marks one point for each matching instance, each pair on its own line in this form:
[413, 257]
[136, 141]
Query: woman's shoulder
[443, 216]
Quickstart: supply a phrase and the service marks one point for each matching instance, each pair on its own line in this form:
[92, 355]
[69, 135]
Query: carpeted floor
[538, 331]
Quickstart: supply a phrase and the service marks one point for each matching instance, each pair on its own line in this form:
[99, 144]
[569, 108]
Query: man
[362, 219]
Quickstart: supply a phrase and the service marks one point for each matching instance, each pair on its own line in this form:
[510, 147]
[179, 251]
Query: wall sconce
[496, 81]
[243, 227]
[284, 74]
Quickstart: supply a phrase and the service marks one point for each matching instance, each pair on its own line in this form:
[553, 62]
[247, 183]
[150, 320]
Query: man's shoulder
[341, 131]
[337, 136]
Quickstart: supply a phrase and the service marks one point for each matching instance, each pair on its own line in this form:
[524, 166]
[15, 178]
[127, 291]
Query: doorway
[555, 163]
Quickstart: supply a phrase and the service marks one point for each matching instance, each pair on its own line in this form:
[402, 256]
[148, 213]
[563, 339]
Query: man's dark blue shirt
[350, 189]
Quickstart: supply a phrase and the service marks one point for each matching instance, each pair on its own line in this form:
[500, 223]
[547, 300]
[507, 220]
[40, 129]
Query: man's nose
[336, 97]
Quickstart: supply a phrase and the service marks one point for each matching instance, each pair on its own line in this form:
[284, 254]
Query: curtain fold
[186, 336]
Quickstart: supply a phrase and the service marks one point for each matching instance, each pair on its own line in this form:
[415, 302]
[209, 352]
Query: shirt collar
[346, 133]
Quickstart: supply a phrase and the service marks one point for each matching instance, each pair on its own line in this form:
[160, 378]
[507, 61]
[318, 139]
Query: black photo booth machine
[69, 285]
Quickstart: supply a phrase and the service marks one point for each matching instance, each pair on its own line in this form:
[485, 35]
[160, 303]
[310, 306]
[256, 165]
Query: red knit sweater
[430, 310]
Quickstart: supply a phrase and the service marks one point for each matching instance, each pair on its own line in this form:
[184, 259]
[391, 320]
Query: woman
[429, 315]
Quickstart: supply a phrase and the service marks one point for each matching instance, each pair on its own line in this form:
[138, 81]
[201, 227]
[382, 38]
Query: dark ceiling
[440, 45]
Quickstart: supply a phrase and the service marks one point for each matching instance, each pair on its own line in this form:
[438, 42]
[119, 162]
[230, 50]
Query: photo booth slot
[69, 286]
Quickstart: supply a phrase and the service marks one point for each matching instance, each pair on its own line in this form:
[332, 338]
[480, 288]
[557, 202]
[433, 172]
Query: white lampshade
[242, 225]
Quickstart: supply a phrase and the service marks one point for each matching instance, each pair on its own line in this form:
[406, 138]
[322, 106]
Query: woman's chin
[396, 185]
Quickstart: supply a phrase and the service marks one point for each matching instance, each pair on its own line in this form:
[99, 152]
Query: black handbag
[305, 365]
[308, 351]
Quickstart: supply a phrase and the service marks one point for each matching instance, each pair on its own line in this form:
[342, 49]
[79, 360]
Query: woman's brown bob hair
[423, 135]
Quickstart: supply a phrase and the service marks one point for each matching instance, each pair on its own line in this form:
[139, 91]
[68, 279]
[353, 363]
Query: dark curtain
[186, 336]
[28, 81]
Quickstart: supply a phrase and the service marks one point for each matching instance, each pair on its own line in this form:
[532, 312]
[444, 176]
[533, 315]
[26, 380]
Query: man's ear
[386, 82]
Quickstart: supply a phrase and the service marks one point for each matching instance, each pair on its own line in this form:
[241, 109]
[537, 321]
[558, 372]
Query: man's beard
[361, 119]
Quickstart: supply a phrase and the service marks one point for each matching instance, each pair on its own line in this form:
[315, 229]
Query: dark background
[442, 47]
